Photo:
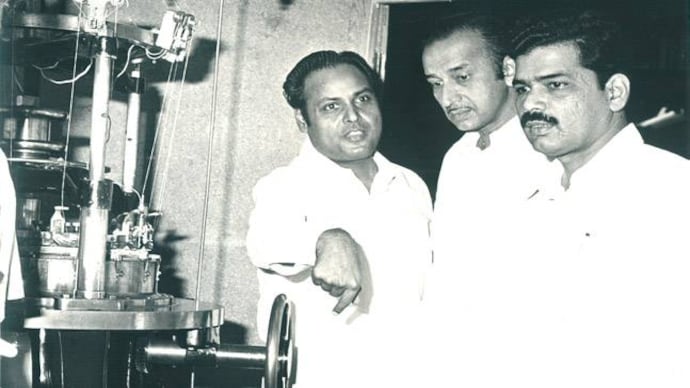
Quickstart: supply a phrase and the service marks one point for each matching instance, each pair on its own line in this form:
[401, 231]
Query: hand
[7, 349]
[341, 269]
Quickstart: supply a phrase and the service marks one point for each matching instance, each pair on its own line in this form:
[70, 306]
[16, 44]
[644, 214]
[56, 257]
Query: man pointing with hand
[341, 231]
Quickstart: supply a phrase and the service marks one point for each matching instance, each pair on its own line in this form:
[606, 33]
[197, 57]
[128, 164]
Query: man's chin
[549, 150]
[360, 149]
[353, 158]
[464, 125]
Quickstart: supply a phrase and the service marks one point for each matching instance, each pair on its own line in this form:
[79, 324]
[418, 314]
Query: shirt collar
[607, 160]
[312, 159]
[509, 134]
[511, 131]
[603, 165]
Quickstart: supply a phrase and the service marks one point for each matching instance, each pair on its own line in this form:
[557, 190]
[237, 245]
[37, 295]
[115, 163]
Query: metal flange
[280, 346]
[277, 358]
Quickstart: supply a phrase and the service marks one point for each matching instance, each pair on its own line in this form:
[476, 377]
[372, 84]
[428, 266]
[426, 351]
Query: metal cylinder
[94, 217]
[57, 269]
[92, 241]
[132, 276]
[253, 357]
[239, 356]
[132, 132]
[100, 117]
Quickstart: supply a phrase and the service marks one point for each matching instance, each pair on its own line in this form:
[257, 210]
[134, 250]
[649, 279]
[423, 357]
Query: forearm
[271, 247]
[279, 238]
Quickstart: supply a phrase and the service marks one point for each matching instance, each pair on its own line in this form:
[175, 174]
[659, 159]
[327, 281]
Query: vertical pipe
[106, 356]
[94, 215]
[43, 366]
[209, 165]
[99, 114]
[132, 132]
[209, 155]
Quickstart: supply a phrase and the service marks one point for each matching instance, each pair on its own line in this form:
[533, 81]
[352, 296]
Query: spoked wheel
[280, 347]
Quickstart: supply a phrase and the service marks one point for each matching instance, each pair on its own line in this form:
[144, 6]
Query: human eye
[434, 83]
[520, 89]
[366, 97]
[557, 85]
[328, 107]
[462, 77]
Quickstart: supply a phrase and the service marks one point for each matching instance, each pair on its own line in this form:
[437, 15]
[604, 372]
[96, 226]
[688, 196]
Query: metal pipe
[239, 356]
[253, 357]
[132, 131]
[209, 152]
[100, 116]
[92, 241]
[94, 215]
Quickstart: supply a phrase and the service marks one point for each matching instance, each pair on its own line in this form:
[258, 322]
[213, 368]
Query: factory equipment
[87, 262]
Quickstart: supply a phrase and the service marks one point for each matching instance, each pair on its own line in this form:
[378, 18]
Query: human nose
[447, 94]
[533, 100]
[351, 113]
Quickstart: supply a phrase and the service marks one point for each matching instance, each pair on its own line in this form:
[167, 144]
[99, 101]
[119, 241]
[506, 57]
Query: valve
[277, 358]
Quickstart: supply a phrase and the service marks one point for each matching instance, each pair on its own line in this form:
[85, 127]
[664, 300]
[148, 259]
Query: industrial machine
[87, 244]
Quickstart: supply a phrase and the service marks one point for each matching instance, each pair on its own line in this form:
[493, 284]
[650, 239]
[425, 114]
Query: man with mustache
[485, 179]
[596, 292]
[339, 222]
[492, 169]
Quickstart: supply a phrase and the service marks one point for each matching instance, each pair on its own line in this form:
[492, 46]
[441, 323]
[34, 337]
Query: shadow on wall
[230, 333]
[199, 64]
[169, 282]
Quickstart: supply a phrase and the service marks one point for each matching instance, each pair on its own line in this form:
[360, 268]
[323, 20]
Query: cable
[174, 130]
[117, 43]
[54, 65]
[155, 56]
[67, 81]
[155, 190]
[16, 81]
[209, 164]
[156, 135]
[69, 115]
[129, 55]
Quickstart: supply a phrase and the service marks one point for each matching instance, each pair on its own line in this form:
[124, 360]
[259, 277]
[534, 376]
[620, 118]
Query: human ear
[301, 121]
[617, 91]
[508, 70]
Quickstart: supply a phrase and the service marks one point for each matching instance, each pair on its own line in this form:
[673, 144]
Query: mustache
[537, 116]
[451, 107]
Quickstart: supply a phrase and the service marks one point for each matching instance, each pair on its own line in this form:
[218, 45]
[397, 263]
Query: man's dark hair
[293, 87]
[491, 28]
[597, 37]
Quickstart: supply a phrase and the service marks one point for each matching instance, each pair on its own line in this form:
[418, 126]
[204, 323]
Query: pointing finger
[346, 299]
[337, 291]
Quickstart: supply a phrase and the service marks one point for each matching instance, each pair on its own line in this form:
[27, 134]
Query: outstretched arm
[341, 269]
[280, 239]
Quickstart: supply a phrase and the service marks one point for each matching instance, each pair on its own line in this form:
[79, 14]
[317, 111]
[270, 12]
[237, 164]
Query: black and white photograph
[338, 194]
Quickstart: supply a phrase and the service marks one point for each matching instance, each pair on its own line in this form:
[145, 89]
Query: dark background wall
[417, 133]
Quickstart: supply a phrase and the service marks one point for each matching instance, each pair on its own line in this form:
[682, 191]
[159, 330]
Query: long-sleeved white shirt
[479, 188]
[293, 206]
[587, 287]
[10, 284]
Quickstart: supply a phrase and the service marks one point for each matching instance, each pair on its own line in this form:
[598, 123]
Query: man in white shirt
[596, 292]
[10, 271]
[339, 222]
[492, 168]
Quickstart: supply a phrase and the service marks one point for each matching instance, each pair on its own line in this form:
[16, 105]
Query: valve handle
[280, 347]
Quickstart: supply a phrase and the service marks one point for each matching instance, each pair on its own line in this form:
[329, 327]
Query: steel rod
[209, 152]
[94, 217]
